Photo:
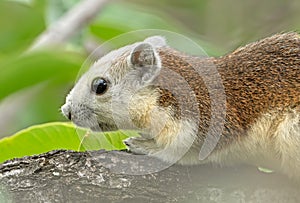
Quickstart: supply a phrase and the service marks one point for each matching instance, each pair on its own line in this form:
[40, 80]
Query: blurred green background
[33, 85]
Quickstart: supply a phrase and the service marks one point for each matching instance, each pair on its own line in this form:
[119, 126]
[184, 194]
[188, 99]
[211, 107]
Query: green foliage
[31, 69]
[19, 25]
[46, 137]
[110, 22]
[46, 75]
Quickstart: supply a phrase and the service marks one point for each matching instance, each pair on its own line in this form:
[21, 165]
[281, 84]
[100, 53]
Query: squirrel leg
[140, 145]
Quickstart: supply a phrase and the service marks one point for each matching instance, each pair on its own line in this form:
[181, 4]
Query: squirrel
[158, 90]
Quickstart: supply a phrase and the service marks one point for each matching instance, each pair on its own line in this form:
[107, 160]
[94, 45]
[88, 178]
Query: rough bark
[66, 176]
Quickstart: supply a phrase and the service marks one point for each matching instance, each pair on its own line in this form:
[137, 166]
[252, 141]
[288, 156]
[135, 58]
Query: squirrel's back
[259, 78]
[262, 77]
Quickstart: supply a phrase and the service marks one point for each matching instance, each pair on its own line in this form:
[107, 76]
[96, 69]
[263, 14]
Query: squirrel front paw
[142, 146]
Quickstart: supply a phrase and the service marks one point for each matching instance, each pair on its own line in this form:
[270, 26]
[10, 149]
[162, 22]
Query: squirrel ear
[145, 60]
[143, 55]
[156, 41]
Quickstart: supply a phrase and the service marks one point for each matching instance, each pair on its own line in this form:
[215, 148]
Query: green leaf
[46, 77]
[17, 73]
[58, 135]
[110, 22]
[40, 104]
[20, 24]
[113, 21]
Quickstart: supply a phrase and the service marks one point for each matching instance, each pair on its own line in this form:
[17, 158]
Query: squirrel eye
[99, 86]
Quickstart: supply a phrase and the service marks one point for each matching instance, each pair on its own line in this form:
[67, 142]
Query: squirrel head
[117, 91]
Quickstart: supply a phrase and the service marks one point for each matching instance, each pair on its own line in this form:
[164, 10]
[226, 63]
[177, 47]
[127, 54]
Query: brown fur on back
[261, 77]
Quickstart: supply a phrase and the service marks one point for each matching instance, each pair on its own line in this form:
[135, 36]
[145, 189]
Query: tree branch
[66, 176]
[70, 23]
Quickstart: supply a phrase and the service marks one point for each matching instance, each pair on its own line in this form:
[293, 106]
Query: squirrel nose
[66, 111]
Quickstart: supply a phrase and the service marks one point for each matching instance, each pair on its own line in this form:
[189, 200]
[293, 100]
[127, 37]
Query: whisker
[75, 132]
[82, 139]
